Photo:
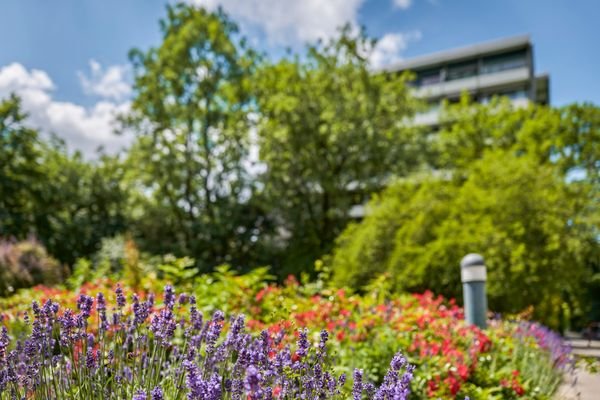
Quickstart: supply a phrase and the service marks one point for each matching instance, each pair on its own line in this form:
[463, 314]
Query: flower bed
[171, 352]
[452, 360]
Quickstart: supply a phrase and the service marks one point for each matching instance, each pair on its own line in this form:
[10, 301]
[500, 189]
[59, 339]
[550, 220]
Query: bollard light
[473, 276]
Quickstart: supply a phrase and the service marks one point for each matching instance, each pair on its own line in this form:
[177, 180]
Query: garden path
[587, 387]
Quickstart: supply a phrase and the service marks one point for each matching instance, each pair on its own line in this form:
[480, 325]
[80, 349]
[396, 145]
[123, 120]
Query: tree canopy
[191, 112]
[331, 132]
[65, 201]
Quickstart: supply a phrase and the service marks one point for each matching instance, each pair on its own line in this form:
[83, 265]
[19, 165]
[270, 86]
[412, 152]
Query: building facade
[502, 67]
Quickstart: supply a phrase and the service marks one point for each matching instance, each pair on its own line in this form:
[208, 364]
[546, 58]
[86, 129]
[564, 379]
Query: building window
[430, 77]
[504, 62]
[517, 94]
[462, 70]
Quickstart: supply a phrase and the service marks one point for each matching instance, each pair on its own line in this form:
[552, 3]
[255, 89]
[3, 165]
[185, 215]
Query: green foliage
[67, 203]
[516, 184]
[330, 133]
[119, 259]
[177, 270]
[567, 137]
[85, 202]
[82, 272]
[20, 172]
[191, 111]
[226, 290]
[526, 221]
[25, 264]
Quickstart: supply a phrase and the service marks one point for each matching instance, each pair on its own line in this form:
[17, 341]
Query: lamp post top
[472, 260]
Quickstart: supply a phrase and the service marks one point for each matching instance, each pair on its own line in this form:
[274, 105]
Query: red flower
[291, 280]
[463, 371]
[518, 389]
[432, 387]
[261, 294]
[453, 384]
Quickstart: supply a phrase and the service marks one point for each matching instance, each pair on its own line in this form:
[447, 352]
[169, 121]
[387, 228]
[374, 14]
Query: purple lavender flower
[183, 299]
[393, 386]
[214, 330]
[398, 361]
[141, 311]
[324, 336]
[369, 389]
[303, 343]
[84, 304]
[121, 301]
[237, 326]
[252, 383]
[67, 323]
[100, 302]
[357, 387]
[163, 326]
[35, 307]
[199, 388]
[157, 393]
[101, 309]
[90, 360]
[4, 341]
[140, 395]
[195, 318]
[169, 297]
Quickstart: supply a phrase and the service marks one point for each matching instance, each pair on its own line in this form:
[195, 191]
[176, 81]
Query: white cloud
[286, 22]
[82, 128]
[390, 46]
[403, 4]
[109, 83]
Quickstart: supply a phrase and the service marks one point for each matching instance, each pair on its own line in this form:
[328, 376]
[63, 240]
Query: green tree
[531, 226]
[191, 109]
[20, 170]
[81, 203]
[331, 132]
[568, 137]
[65, 201]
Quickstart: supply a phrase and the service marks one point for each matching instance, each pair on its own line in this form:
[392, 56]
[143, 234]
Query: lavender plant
[559, 351]
[543, 356]
[139, 351]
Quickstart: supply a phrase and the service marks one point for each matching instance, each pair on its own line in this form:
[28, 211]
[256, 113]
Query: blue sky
[68, 58]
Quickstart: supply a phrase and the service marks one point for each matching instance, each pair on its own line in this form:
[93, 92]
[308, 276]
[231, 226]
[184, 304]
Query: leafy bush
[118, 258]
[25, 264]
[529, 224]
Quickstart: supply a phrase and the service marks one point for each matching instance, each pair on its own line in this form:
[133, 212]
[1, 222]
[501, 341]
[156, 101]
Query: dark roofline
[442, 57]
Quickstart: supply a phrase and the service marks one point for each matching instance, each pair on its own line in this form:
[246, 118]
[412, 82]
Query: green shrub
[529, 224]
